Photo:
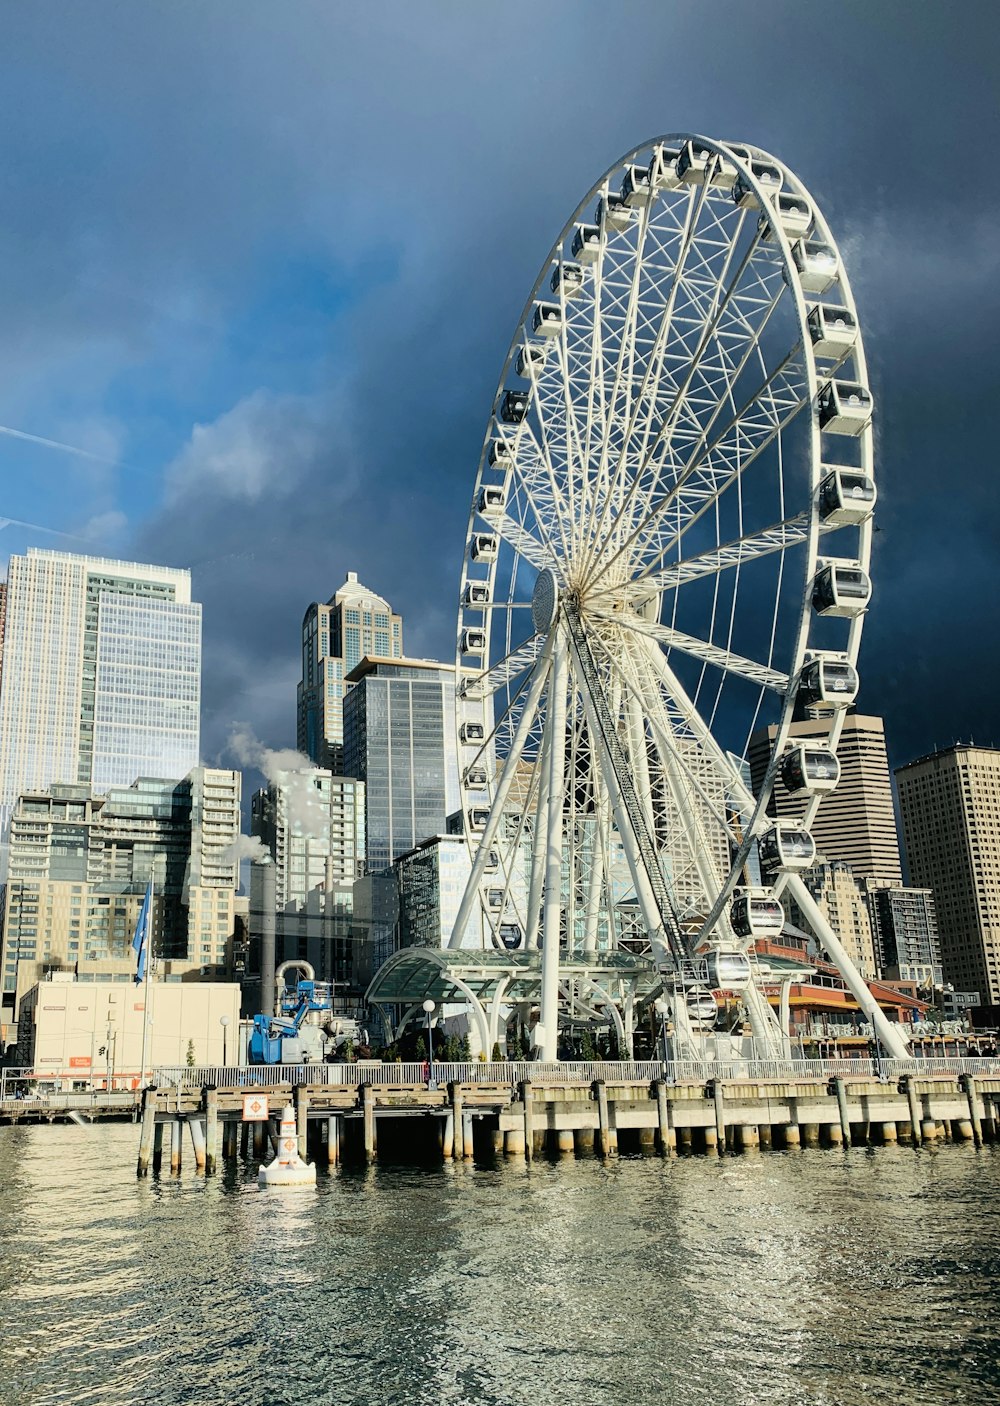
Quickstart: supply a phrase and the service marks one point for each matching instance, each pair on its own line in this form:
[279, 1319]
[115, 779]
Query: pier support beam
[197, 1140]
[529, 1131]
[447, 1128]
[157, 1148]
[468, 1147]
[259, 1141]
[146, 1136]
[719, 1102]
[333, 1140]
[664, 1120]
[175, 1146]
[583, 1141]
[914, 1107]
[211, 1132]
[603, 1119]
[458, 1119]
[514, 1143]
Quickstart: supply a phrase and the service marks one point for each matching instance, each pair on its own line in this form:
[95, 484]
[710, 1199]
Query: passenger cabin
[485, 546]
[729, 971]
[547, 320]
[586, 245]
[828, 681]
[816, 264]
[756, 914]
[845, 407]
[514, 406]
[842, 589]
[494, 897]
[473, 641]
[792, 213]
[510, 936]
[567, 279]
[476, 593]
[663, 168]
[832, 331]
[492, 499]
[846, 496]
[636, 187]
[476, 776]
[809, 770]
[492, 861]
[613, 213]
[471, 732]
[501, 453]
[694, 163]
[786, 848]
[478, 817]
[767, 176]
[529, 362]
[701, 1008]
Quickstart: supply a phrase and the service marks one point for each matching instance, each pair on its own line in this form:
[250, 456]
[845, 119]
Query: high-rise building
[949, 803]
[335, 638]
[400, 740]
[842, 901]
[313, 826]
[101, 678]
[855, 824]
[80, 864]
[904, 927]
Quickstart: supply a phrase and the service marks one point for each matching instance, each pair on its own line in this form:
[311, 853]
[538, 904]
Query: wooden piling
[260, 1132]
[197, 1129]
[603, 1121]
[302, 1118]
[175, 1146]
[146, 1135]
[447, 1126]
[667, 1138]
[368, 1105]
[845, 1116]
[468, 1146]
[211, 1132]
[914, 1107]
[244, 1140]
[968, 1083]
[719, 1102]
[157, 1148]
[458, 1119]
[529, 1131]
[333, 1140]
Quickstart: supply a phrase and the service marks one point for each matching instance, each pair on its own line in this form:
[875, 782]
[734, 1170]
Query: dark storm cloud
[428, 156]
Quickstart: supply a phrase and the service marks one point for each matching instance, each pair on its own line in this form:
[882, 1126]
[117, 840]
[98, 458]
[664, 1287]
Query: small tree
[588, 1050]
[420, 1049]
[451, 1049]
[496, 1056]
[189, 1057]
[347, 1050]
[464, 1049]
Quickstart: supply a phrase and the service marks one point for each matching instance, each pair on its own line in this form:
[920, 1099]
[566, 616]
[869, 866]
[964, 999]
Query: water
[816, 1277]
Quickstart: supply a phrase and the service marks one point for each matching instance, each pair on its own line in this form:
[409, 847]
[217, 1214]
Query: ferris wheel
[668, 552]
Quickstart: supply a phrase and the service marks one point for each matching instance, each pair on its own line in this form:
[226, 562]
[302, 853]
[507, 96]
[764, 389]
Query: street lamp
[429, 1011]
[224, 1022]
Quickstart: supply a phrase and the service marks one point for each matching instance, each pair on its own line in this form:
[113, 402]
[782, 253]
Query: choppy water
[815, 1277]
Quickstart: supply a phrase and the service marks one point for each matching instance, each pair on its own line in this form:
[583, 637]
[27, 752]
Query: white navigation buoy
[288, 1168]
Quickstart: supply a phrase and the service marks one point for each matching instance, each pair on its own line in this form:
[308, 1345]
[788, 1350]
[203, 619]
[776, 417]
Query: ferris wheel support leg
[784, 1016]
[471, 894]
[888, 1035]
[536, 879]
[643, 891]
[593, 908]
[547, 1029]
[763, 1023]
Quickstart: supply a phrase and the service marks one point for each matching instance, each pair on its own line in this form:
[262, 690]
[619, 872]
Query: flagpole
[146, 990]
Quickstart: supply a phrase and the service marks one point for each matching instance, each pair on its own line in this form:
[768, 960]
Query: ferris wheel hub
[545, 601]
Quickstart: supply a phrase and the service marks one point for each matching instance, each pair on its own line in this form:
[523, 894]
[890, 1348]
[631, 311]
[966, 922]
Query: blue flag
[140, 943]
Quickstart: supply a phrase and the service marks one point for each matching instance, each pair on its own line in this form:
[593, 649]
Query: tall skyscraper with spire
[336, 636]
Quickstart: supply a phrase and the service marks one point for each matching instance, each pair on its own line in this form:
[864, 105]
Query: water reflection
[812, 1276]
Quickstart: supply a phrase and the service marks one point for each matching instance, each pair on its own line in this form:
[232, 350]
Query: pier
[346, 1113]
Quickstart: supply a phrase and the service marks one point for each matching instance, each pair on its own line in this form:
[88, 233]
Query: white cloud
[103, 528]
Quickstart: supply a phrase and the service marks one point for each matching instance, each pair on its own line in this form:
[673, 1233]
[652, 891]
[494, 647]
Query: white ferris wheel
[668, 550]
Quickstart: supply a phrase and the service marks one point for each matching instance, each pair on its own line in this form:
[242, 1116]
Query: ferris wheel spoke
[525, 543]
[700, 649]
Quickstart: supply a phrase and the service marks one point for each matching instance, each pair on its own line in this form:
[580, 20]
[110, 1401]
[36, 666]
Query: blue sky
[261, 262]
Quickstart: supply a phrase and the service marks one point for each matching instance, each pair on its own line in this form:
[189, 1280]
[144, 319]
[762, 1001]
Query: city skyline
[258, 389]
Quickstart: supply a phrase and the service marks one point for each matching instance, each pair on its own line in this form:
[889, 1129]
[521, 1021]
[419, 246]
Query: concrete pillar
[793, 1137]
[989, 1118]
[529, 1132]
[211, 1132]
[888, 1132]
[749, 1137]
[685, 1139]
[914, 1107]
[810, 1134]
[368, 1107]
[766, 1136]
[709, 1137]
[719, 1101]
[968, 1083]
[928, 1130]
[197, 1140]
[302, 1118]
[583, 1141]
[333, 1140]
[564, 1142]
[146, 1133]
[496, 1137]
[845, 1116]
[175, 1146]
[835, 1135]
[468, 1146]
[961, 1129]
[603, 1121]
[157, 1148]
[647, 1140]
[448, 1136]
[514, 1143]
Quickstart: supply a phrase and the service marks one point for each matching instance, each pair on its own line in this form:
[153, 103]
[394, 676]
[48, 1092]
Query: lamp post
[429, 1011]
[224, 1022]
